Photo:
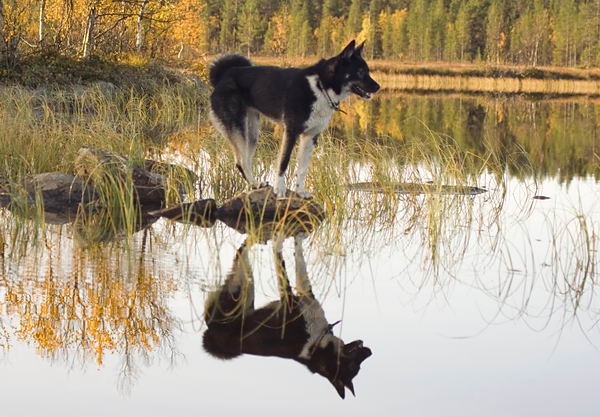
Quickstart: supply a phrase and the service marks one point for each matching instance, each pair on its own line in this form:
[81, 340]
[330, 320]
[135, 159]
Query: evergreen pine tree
[324, 31]
[250, 26]
[227, 29]
[437, 30]
[354, 21]
[494, 38]
[373, 35]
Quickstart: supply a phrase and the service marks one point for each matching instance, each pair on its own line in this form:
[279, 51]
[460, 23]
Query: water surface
[472, 304]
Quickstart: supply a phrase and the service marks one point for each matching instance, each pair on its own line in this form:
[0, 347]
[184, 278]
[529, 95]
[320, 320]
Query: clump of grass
[45, 131]
[42, 131]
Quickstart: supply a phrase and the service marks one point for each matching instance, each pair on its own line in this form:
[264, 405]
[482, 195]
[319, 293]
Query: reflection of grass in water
[435, 217]
[558, 287]
[575, 259]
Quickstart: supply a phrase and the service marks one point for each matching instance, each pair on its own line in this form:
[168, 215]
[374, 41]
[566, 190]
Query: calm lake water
[484, 306]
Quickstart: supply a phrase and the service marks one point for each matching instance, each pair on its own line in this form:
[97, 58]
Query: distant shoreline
[452, 69]
[394, 76]
[483, 78]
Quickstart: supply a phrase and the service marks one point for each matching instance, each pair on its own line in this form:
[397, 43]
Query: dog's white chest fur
[321, 110]
[316, 327]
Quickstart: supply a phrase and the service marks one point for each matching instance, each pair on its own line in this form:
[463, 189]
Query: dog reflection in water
[294, 327]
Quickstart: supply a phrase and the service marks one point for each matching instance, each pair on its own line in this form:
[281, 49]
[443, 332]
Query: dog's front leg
[285, 290]
[283, 160]
[240, 280]
[303, 285]
[305, 150]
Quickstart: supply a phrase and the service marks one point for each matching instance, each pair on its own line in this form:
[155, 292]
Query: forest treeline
[530, 32]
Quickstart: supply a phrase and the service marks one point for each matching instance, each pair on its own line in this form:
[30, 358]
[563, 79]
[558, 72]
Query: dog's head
[351, 72]
[338, 362]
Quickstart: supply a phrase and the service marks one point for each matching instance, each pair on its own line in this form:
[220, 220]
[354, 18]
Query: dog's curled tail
[222, 64]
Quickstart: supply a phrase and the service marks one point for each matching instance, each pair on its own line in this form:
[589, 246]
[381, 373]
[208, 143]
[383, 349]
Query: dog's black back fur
[273, 91]
[219, 67]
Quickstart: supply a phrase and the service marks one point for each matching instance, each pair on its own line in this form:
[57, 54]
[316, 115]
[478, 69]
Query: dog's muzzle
[365, 89]
[360, 92]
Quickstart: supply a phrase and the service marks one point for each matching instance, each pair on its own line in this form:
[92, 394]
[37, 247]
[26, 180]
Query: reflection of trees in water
[561, 138]
[75, 304]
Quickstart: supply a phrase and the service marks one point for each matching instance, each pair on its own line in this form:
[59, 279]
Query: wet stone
[59, 192]
[259, 211]
[103, 167]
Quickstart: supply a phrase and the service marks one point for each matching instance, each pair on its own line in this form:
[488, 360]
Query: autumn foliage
[538, 32]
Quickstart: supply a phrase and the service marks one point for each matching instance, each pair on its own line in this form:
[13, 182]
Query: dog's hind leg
[229, 115]
[305, 150]
[240, 144]
[252, 132]
[285, 151]
[234, 134]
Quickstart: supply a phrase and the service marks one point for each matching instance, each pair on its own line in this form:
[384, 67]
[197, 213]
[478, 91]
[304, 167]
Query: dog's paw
[259, 185]
[280, 192]
[304, 194]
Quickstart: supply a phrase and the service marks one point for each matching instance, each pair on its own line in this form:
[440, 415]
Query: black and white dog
[294, 327]
[303, 100]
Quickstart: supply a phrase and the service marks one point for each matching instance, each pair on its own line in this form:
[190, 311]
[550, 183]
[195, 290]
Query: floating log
[415, 188]
[260, 211]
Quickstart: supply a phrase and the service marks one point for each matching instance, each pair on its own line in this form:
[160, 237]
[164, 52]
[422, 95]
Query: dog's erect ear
[348, 51]
[359, 49]
[350, 386]
[339, 387]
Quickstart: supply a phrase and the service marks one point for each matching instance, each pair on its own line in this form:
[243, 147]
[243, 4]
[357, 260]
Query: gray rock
[60, 192]
[260, 212]
[102, 168]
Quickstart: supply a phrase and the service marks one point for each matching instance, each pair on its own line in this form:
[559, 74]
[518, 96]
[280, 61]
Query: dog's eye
[360, 73]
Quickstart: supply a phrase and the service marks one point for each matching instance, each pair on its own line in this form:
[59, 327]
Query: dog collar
[327, 330]
[335, 106]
